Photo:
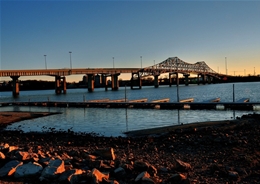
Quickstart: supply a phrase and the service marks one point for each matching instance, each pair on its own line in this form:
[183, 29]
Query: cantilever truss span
[176, 65]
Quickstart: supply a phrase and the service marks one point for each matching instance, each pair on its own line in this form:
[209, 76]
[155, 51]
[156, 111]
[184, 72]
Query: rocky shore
[227, 153]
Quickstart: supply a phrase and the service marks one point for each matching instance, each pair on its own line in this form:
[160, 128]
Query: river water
[113, 122]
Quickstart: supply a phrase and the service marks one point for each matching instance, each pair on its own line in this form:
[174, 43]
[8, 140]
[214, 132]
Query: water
[113, 122]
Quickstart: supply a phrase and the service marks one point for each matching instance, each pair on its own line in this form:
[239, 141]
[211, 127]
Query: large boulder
[9, 168]
[98, 177]
[70, 176]
[54, 168]
[106, 153]
[142, 176]
[27, 170]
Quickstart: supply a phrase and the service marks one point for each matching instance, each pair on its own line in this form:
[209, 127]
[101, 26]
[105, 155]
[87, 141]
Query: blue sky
[97, 31]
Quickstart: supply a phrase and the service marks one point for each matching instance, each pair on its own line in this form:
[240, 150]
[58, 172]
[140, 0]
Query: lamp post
[70, 60]
[254, 71]
[113, 62]
[141, 62]
[45, 62]
[226, 65]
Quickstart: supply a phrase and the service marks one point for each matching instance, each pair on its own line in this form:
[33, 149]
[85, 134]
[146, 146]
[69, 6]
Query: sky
[217, 32]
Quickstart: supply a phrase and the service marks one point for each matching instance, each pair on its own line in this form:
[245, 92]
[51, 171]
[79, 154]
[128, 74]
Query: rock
[107, 153]
[98, 176]
[233, 175]
[119, 172]
[22, 155]
[146, 180]
[95, 163]
[152, 170]
[67, 176]
[2, 156]
[12, 148]
[29, 169]
[141, 166]
[54, 168]
[142, 175]
[182, 166]
[178, 178]
[9, 168]
[4, 147]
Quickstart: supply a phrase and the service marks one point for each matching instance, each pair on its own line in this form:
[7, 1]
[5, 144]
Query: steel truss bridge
[176, 65]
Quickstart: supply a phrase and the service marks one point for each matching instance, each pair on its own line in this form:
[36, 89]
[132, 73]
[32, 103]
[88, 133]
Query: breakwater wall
[144, 105]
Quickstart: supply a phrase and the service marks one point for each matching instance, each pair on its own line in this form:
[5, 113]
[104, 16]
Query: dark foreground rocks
[211, 154]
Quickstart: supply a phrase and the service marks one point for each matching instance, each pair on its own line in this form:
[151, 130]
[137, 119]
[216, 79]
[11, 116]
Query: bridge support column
[91, 82]
[209, 79]
[203, 79]
[177, 79]
[15, 85]
[104, 81]
[186, 79]
[64, 85]
[115, 82]
[60, 84]
[136, 82]
[198, 79]
[170, 79]
[156, 81]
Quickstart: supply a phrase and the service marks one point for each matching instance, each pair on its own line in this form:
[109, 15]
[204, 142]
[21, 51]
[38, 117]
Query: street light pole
[141, 62]
[113, 63]
[45, 62]
[226, 64]
[254, 71]
[70, 60]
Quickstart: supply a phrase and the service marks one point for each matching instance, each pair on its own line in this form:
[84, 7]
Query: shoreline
[9, 117]
[219, 153]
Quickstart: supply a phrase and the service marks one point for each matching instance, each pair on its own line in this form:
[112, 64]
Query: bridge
[172, 65]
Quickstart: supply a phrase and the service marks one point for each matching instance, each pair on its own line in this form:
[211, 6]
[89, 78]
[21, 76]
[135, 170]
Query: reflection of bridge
[172, 65]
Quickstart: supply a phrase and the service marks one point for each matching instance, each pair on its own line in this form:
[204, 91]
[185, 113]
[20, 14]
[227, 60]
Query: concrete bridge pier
[115, 82]
[156, 81]
[170, 79]
[177, 79]
[104, 81]
[91, 82]
[60, 85]
[64, 86]
[136, 82]
[209, 79]
[203, 79]
[186, 79]
[15, 85]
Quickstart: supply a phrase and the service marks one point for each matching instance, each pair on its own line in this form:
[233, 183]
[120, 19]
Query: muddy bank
[7, 117]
